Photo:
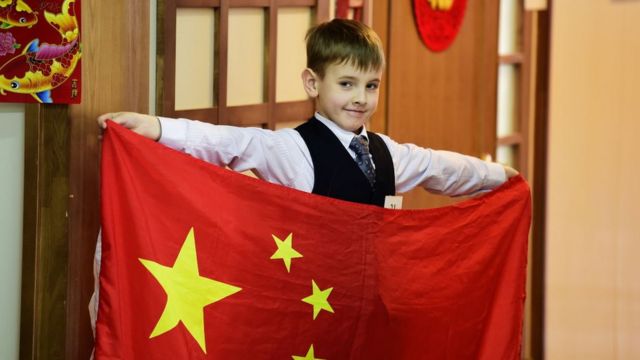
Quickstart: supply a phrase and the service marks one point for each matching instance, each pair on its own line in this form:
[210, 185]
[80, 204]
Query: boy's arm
[270, 154]
[444, 172]
[274, 156]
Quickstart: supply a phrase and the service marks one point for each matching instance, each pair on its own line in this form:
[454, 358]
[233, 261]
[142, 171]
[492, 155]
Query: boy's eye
[373, 86]
[346, 83]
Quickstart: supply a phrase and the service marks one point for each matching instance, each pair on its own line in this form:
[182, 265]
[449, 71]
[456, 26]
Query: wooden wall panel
[45, 224]
[115, 65]
[442, 100]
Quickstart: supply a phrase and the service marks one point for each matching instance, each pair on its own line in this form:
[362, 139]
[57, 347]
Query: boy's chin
[350, 123]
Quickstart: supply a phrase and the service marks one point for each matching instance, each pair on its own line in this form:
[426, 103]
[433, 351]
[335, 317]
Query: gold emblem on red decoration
[441, 4]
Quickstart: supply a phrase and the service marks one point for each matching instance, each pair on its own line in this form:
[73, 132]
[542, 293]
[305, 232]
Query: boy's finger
[102, 119]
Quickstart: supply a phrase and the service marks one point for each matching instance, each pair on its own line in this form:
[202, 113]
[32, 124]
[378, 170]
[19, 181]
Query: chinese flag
[199, 262]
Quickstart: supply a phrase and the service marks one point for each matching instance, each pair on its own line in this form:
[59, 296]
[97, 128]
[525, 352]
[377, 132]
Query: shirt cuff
[497, 176]
[174, 132]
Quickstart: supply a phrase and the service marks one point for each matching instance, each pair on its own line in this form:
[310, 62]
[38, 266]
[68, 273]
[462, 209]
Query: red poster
[40, 51]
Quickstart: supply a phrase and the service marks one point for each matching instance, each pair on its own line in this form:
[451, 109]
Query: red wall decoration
[438, 21]
[40, 51]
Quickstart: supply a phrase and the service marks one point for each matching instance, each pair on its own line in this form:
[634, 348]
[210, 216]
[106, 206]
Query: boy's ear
[310, 82]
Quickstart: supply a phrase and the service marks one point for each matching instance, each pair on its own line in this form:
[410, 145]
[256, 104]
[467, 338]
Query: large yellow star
[310, 355]
[187, 292]
[285, 251]
[319, 299]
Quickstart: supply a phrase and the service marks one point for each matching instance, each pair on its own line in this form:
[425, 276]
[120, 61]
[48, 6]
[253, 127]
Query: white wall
[593, 218]
[11, 198]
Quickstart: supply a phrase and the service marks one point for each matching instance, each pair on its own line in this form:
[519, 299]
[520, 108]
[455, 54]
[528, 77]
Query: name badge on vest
[393, 202]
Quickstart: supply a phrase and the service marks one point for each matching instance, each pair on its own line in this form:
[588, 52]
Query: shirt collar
[343, 135]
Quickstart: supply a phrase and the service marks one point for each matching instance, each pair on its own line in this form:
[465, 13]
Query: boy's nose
[360, 97]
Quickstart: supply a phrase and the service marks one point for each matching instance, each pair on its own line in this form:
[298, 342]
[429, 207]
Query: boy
[332, 154]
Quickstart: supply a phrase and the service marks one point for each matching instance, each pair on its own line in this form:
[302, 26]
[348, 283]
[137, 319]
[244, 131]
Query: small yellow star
[187, 292]
[310, 355]
[319, 299]
[285, 251]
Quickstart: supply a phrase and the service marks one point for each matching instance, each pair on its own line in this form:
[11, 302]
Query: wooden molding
[538, 238]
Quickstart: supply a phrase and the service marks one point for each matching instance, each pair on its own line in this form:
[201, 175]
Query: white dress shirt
[282, 157]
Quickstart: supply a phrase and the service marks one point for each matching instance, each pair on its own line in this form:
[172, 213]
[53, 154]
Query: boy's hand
[510, 172]
[145, 125]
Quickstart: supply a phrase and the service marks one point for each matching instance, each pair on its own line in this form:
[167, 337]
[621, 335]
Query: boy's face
[346, 95]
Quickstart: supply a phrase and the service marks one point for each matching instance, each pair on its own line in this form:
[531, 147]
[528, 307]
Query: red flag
[199, 262]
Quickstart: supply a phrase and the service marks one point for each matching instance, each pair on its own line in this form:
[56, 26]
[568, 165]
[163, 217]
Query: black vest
[337, 175]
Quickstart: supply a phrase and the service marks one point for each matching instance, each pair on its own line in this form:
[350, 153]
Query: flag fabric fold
[199, 262]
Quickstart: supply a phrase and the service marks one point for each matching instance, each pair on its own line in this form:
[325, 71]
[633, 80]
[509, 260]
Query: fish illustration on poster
[40, 51]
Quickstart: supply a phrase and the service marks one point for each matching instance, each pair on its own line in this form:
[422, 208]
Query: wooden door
[444, 100]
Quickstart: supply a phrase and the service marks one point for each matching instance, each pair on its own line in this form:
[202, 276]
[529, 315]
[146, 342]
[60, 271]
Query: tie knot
[360, 145]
